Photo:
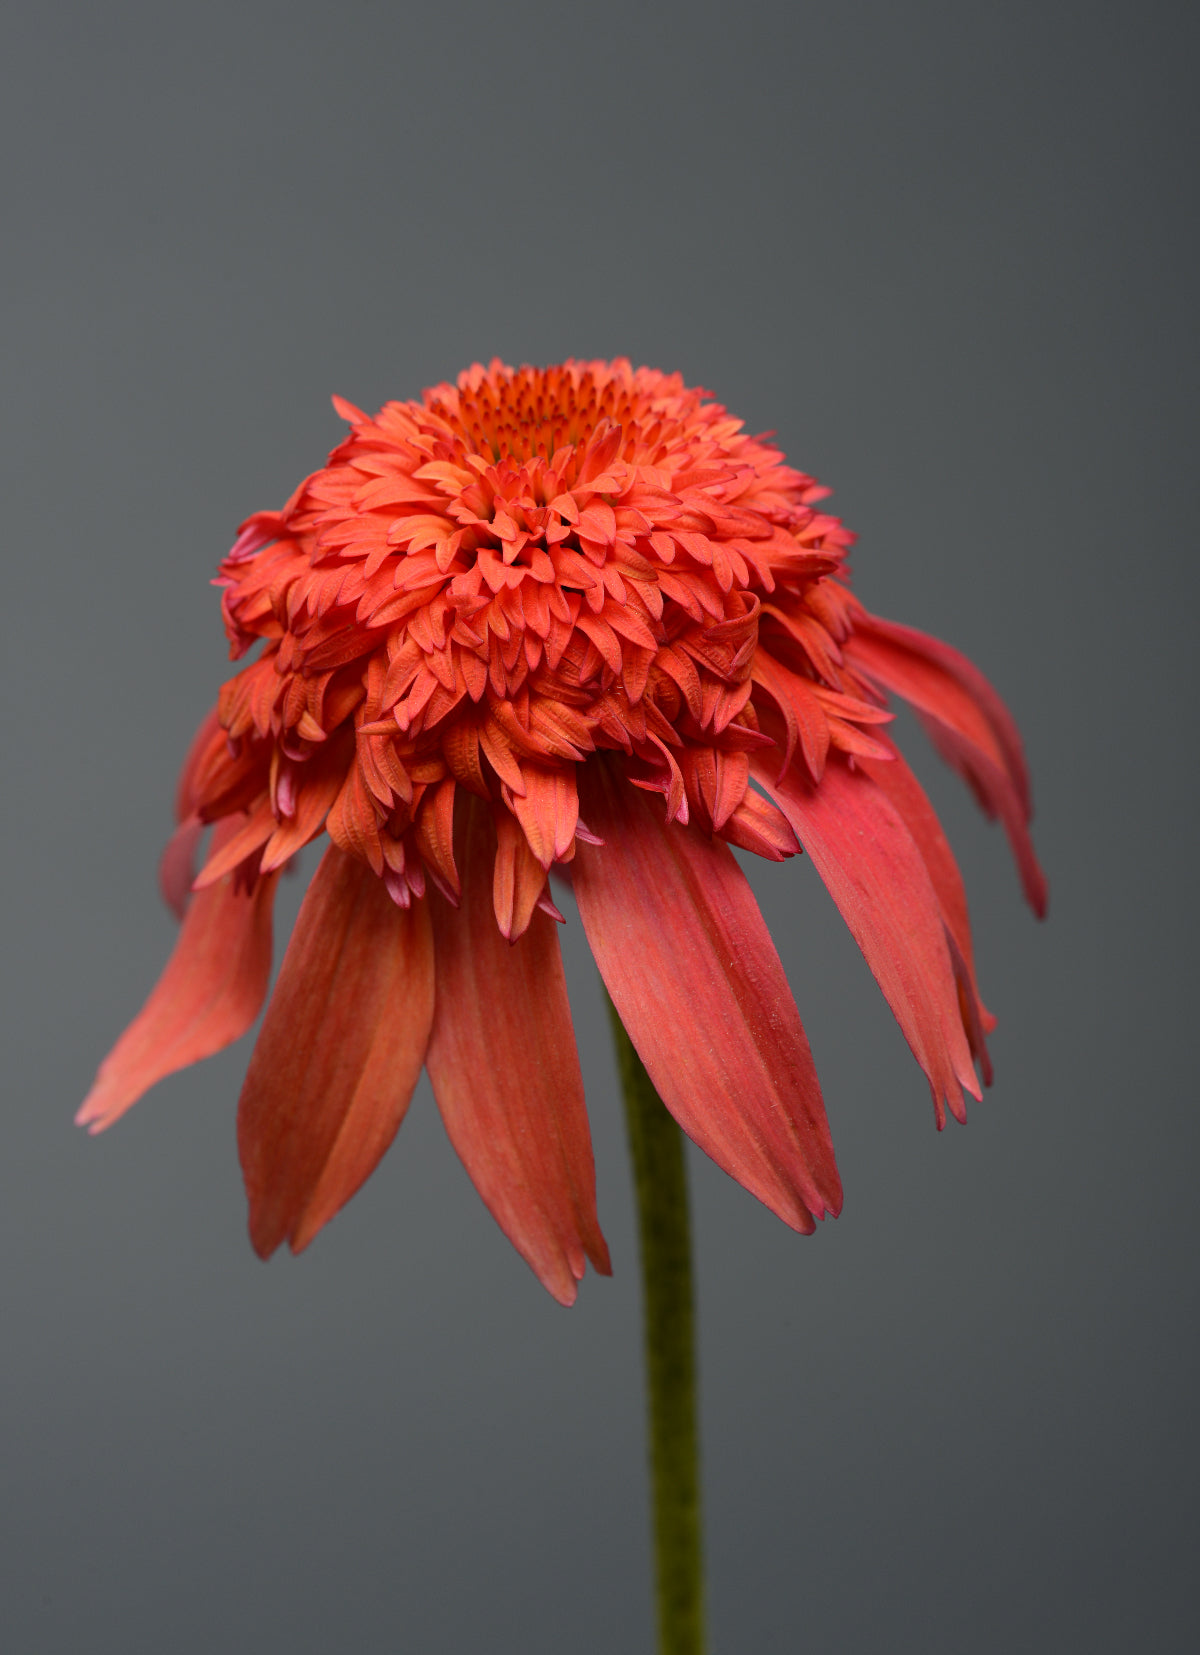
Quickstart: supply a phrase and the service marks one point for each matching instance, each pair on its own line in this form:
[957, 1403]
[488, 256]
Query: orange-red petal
[967, 722]
[909, 798]
[339, 1054]
[176, 868]
[506, 1075]
[210, 993]
[208, 735]
[518, 878]
[695, 978]
[875, 873]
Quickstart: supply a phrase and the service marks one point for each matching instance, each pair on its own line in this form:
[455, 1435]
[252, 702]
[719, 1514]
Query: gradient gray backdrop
[946, 251]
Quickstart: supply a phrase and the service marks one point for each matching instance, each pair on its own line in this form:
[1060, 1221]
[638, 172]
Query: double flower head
[569, 622]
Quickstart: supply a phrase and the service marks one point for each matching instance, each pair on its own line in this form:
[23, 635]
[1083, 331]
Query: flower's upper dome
[482, 588]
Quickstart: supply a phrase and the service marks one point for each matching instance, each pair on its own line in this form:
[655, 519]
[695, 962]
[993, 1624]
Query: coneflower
[569, 621]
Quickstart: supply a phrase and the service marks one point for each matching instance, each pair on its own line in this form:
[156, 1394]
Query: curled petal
[506, 1076]
[759, 826]
[339, 1054]
[804, 720]
[210, 993]
[518, 878]
[967, 722]
[209, 735]
[695, 978]
[176, 870]
[435, 836]
[312, 807]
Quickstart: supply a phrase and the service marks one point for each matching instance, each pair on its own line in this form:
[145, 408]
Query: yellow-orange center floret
[484, 588]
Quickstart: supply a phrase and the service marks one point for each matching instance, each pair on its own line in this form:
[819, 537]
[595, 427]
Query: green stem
[660, 1179]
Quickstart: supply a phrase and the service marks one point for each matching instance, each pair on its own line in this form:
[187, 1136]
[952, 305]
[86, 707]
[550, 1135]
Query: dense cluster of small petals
[481, 590]
[571, 619]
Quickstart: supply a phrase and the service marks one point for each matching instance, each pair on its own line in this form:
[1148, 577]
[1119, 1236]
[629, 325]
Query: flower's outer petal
[506, 1075]
[176, 870]
[909, 797]
[877, 876]
[910, 800]
[967, 722]
[209, 731]
[695, 978]
[339, 1054]
[210, 993]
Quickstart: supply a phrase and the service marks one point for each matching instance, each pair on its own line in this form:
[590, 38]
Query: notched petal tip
[91, 1113]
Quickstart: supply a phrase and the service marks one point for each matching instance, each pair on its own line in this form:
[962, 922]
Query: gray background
[946, 251]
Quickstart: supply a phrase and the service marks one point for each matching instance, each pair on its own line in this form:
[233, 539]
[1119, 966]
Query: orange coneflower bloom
[570, 620]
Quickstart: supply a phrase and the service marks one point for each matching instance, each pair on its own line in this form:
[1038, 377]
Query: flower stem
[660, 1180]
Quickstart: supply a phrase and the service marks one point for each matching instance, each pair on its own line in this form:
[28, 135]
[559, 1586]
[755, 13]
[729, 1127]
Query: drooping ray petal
[967, 722]
[506, 1075]
[951, 664]
[873, 870]
[339, 1054]
[909, 799]
[210, 993]
[695, 978]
